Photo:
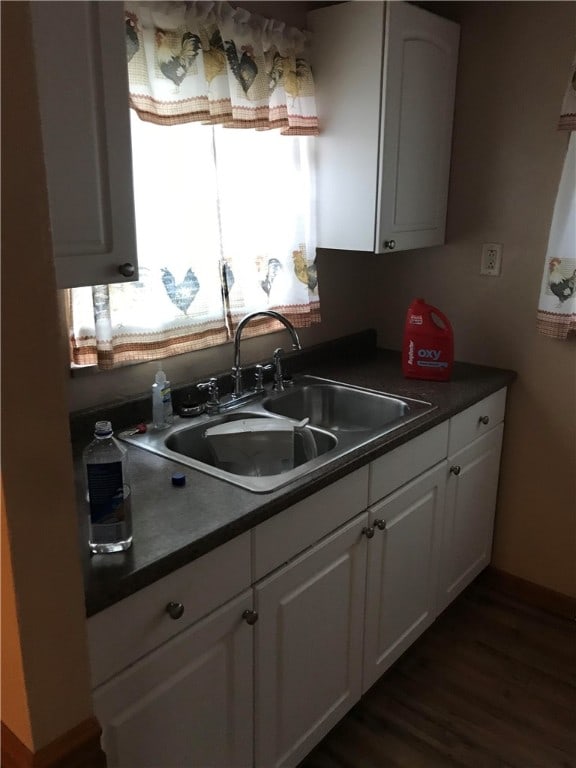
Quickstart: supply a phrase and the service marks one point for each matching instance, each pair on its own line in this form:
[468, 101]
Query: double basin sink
[340, 418]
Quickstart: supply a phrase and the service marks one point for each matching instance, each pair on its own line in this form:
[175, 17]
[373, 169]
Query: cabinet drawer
[406, 462]
[131, 628]
[295, 529]
[476, 420]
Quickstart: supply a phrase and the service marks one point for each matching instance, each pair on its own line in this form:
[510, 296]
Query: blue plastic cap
[178, 479]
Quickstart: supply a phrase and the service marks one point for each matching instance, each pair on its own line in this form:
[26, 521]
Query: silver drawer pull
[455, 469]
[484, 420]
[175, 610]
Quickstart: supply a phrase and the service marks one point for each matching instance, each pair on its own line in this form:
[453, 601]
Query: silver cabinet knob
[250, 617]
[127, 270]
[455, 469]
[484, 420]
[390, 244]
[368, 532]
[175, 610]
[380, 524]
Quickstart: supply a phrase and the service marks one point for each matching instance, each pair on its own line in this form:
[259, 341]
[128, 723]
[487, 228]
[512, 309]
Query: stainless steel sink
[341, 419]
[191, 442]
[337, 407]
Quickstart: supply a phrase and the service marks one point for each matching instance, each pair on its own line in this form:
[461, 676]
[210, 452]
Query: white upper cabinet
[82, 77]
[385, 77]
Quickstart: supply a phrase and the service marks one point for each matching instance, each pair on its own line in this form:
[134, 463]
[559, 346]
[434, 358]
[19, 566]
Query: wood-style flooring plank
[533, 685]
[354, 744]
[491, 684]
[413, 723]
[486, 724]
[507, 688]
[488, 634]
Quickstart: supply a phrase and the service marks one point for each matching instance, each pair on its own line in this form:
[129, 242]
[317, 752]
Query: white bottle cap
[160, 376]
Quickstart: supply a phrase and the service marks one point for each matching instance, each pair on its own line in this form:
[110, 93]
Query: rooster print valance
[212, 63]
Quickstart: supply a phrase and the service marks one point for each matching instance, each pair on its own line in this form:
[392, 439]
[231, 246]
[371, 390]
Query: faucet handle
[213, 393]
[259, 371]
[211, 385]
[237, 388]
[278, 373]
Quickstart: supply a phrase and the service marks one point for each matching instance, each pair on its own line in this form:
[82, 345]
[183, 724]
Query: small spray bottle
[162, 415]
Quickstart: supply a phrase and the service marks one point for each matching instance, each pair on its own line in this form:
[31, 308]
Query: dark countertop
[175, 525]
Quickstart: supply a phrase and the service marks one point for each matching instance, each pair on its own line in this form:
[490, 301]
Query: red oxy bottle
[428, 348]
[108, 492]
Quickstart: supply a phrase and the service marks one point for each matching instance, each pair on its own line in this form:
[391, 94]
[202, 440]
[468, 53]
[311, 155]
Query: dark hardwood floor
[492, 684]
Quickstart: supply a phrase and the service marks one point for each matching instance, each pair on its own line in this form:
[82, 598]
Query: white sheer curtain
[267, 202]
[556, 315]
[225, 226]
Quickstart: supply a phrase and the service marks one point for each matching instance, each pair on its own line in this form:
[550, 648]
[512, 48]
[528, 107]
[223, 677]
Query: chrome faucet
[237, 370]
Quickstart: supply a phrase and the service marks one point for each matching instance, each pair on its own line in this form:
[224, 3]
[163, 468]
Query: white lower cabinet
[309, 646]
[403, 557]
[187, 704]
[286, 626]
[469, 518]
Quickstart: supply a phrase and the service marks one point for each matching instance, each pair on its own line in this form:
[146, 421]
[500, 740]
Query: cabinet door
[348, 80]
[189, 703]
[420, 63]
[402, 570]
[80, 53]
[309, 646]
[469, 521]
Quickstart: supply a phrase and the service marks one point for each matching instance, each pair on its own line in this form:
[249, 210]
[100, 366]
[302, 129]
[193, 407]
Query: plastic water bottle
[162, 415]
[108, 492]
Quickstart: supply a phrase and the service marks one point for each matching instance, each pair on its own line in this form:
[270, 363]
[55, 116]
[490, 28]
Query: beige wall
[506, 163]
[14, 699]
[45, 681]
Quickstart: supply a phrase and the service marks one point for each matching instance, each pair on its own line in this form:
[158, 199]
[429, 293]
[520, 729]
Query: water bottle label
[107, 493]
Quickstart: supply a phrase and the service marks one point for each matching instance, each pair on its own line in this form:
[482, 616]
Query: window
[224, 217]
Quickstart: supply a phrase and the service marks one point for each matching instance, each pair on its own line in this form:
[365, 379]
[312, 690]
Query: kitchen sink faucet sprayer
[237, 370]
